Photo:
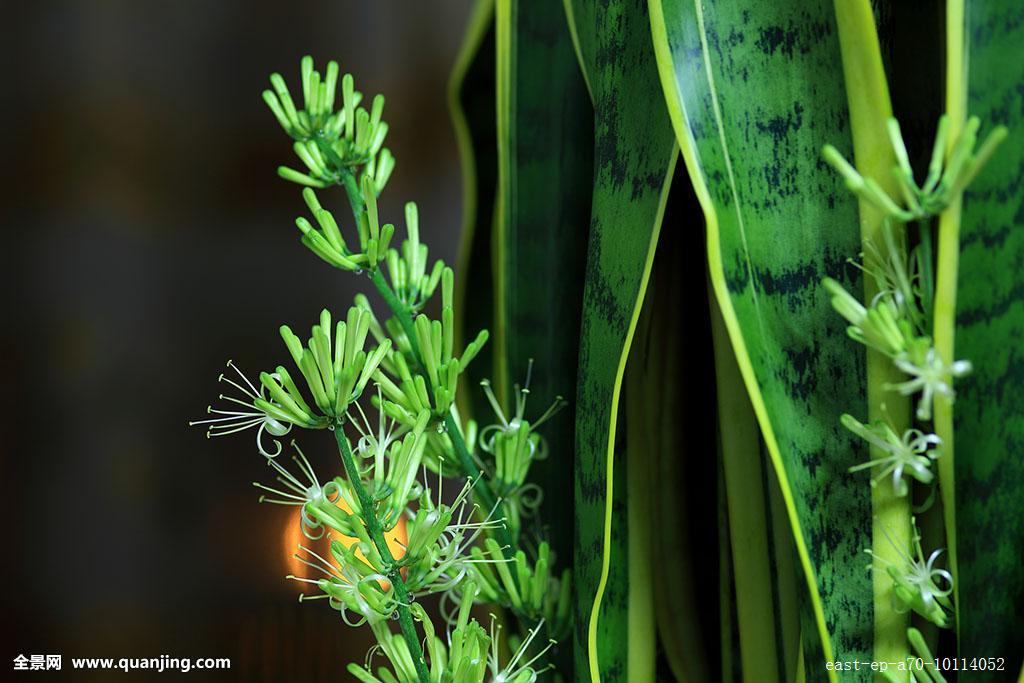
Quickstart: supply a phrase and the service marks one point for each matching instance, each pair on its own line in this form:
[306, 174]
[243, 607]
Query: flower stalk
[482, 491]
[894, 326]
[470, 550]
[870, 107]
[394, 573]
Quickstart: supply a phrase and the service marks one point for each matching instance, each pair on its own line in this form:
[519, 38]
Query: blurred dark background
[147, 241]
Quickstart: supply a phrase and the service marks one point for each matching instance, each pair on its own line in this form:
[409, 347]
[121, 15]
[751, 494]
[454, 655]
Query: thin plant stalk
[870, 108]
[947, 260]
[394, 573]
[481, 488]
[726, 588]
[787, 578]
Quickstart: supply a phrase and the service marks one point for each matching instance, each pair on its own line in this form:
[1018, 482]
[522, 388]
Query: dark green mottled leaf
[545, 177]
[634, 155]
[755, 90]
[989, 410]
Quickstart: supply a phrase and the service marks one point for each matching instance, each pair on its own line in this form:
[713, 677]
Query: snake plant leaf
[545, 178]
[728, 617]
[989, 411]
[642, 408]
[754, 92]
[634, 157]
[671, 434]
[759, 613]
[471, 101]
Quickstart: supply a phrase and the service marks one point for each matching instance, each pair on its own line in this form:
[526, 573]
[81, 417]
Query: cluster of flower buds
[437, 557]
[395, 456]
[529, 589]
[878, 326]
[471, 655]
[326, 241]
[407, 270]
[513, 440]
[514, 444]
[328, 141]
[336, 374]
[930, 674]
[947, 176]
[884, 328]
[433, 389]
[395, 651]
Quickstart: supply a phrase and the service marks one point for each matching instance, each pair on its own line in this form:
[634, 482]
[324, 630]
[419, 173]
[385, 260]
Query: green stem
[393, 572]
[642, 395]
[400, 312]
[746, 504]
[870, 107]
[482, 491]
[947, 265]
[355, 195]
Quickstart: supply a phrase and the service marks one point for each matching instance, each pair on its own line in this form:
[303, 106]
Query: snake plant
[781, 295]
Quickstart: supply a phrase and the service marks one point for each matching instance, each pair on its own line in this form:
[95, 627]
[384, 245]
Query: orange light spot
[292, 537]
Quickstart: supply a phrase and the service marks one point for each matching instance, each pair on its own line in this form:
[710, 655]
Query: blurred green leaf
[471, 100]
[545, 178]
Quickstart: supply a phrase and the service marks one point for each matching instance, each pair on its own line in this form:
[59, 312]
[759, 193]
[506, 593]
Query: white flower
[310, 495]
[514, 670]
[917, 584]
[910, 454]
[931, 376]
[260, 412]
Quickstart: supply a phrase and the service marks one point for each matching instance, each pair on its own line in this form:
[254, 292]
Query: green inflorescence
[405, 372]
[897, 323]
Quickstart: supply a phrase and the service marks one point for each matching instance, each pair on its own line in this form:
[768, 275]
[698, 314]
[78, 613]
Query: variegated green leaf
[634, 155]
[545, 177]
[755, 90]
[989, 410]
